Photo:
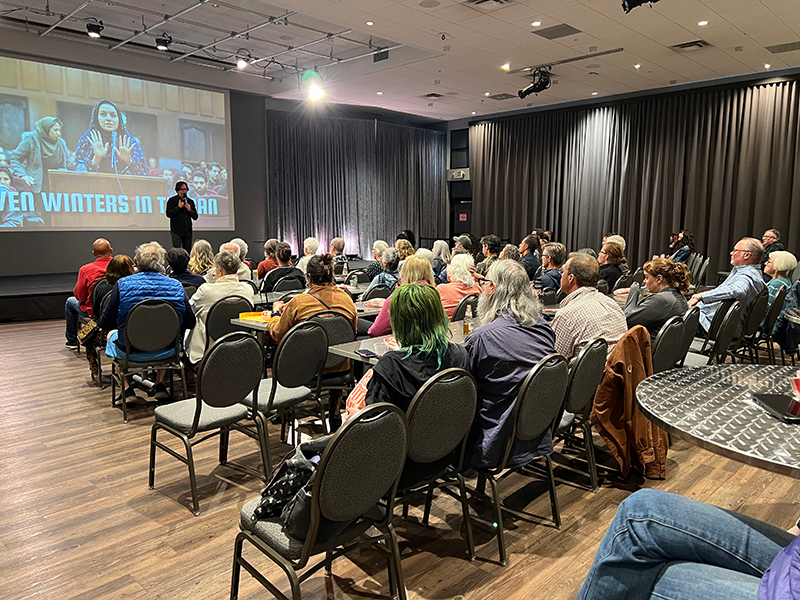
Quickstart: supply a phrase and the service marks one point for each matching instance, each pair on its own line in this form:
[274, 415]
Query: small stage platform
[35, 297]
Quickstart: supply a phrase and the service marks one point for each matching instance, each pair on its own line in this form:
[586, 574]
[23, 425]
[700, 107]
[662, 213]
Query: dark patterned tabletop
[714, 408]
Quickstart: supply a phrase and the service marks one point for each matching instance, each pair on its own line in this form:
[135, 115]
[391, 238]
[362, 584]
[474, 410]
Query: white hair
[426, 254]
[150, 257]
[379, 246]
[311, 244]
[243, 249]
[512, 295]
[617, 239]
[459, 269]
[441, 251]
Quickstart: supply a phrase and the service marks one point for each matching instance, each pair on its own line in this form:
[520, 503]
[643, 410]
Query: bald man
[81, 303]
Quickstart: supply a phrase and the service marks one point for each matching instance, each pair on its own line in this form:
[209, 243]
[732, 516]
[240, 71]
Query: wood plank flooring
[78, 520]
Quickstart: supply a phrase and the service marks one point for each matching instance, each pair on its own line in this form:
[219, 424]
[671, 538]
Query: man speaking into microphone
[181, 211]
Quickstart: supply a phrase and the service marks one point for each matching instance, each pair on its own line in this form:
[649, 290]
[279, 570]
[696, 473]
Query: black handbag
[288, 478]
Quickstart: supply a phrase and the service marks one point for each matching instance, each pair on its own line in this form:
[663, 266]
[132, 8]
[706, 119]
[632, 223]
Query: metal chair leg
[498, 524]
[192, 479]
[590, 459]
[152, 475]
[261, 430]
[237, 567]
[467, 520]
[394, 549]
[428, 501]
[553, 494]
[224, 439]
[328, 562]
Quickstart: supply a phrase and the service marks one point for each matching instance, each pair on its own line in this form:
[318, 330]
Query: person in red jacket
[81, 302]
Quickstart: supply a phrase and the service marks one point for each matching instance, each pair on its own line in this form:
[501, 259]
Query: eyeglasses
[483, 281]
[735, 250]
[602, 252]
[768, 237]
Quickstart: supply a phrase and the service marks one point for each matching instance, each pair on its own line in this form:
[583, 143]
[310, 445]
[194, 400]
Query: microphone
[114, 150]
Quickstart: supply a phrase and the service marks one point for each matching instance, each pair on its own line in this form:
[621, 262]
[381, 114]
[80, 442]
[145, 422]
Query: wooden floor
[78, 520]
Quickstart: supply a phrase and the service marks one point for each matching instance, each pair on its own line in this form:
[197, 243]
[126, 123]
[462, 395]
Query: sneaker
[161, 392]
[72, 345]
[129, 394]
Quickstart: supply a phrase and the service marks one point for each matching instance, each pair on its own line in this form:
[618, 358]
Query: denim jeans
[662, 545]
[72, 311]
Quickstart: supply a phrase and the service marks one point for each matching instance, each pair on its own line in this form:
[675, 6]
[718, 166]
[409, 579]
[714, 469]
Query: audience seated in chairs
[178, 261]
[150, 282]
[375, 267]
[441, 258]
[510, 252]
[415, 268]
[771, 241]
[490, 247]
[310, 247]
[554, 255]
[684, 247]
[743, 284]
[226, 284]
[610, 259]
[461, 283]
[666, 282]
[585, 313]
[779, 267]
[529, 249]
[243, 250]
[404, 250]
[283, 255]
[81, 301]
[337, 250]
[421, 327]
[390, 260]
[201, 258]
[512, 338]
[243, 274]
[321, 295]
[269, 262]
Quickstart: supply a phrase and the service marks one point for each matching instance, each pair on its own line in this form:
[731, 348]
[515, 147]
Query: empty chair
[584, 377]
[218, 320]
[284, 284]
[722, 341]
[668, 345]
[744, 346]
[379, 291]
[360, 467]
[229, 371]
[638, 276]
[461, 309]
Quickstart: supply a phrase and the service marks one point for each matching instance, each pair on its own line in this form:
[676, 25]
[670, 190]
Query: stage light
[163, 42]
[767, 66]
[311, 85]
[241, 63]
[379, 93]
[315, 92]
[637, 66]
[629, 5]
[506, 67]
[539, 83]
[94, 29]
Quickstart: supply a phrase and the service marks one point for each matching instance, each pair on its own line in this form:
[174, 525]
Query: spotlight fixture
[379, 93]
[241, 63]
[163, 42]
[767, 66]
[540, 81]
[506, 66]
[94, 29]
[637, 66]
[487, 93]
[629, 5]
[315, 92]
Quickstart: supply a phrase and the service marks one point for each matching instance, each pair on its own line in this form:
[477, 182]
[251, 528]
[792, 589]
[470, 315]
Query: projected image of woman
[38, 151]
[107, 147]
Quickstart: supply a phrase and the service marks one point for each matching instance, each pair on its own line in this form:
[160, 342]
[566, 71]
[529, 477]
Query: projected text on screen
[87, 150]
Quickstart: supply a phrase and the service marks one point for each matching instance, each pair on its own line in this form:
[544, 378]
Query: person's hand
[475, 276]
[98, 147]
[28, 179]
[693, 301]
[125, 149]
[181, 203]
[279, 306]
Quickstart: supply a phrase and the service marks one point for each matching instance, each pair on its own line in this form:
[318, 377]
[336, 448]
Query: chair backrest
[716, 322]
[623, 282]
[252, 284]
[774, 311]
[152, 325]
[638, 276]
[691, 261]
[538, 402]
[700, 277]
[338, 268]
[441, 415]
[340, 330]
[381, 290]
[361, 275]
[188, 288]
[107, 296]
[286, 283]
[548, 297]
[602, 286]
[668, 345]
[218, 319]
[300, 355]
[585, 375]
[229, 372]
[691, 319]
[726, 333]
[755, 314]
[461, 309]
[361, 464]
[291, 294]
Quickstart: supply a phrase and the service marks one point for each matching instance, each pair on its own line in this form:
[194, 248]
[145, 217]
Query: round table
[793, 314]
[713, 407]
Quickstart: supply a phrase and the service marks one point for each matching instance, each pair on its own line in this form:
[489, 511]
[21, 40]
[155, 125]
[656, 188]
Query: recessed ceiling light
[702, 23]
[370, 23]
[474, 113]
[637, 66]
[767, 66]
[241, 63]
[487, 93]
[594, 93]
[506, 67]
[536, 23]
[94, 29]
[380, 93]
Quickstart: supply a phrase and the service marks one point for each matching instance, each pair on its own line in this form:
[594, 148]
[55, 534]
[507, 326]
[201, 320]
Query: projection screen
[82, 150]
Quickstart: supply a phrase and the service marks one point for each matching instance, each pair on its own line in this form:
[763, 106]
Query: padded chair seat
[271, 532]
[695, 360]
[179, 415]
[697, 345]
[284, 397]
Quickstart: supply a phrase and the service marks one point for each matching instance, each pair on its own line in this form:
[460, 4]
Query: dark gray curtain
[358, 179]
[723, 163]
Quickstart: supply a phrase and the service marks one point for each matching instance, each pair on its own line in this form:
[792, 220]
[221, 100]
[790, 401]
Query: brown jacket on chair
[632, 438]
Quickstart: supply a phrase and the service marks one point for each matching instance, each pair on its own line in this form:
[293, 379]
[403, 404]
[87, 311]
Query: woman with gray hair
[389, 277]
[441, 258]
[461, 283]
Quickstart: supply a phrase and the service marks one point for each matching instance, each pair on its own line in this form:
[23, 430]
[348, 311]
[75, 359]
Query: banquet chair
[691, 320]
[623, 282]
[188, 288]
[379, 291]
[638, 276]
[602, 286]
[340, 330]
[439, 418]
[218, 319]
[535, 411]
[150, 325]
[765, 332]
[355, 483]
[743, 346]
[703, 345]
[721, 343]
[584, 377]
[229, 371]
[461, 310]
[667, 345]
[296, 374]
[548, 297]
[253, 285]
[338, 268]
[100, 342]
[287, 283]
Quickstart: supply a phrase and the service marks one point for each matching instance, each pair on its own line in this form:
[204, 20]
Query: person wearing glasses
[772, 243]
[743, 284]
[181, 211]
[554, 255]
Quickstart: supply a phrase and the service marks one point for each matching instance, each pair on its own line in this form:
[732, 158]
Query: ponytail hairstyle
[320, 269]
[675, 274]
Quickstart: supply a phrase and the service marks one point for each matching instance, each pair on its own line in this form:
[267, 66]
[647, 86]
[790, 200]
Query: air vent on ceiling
[557, 31]
[691, 46]
[790, 47]
[502, 96]
[432, 96]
